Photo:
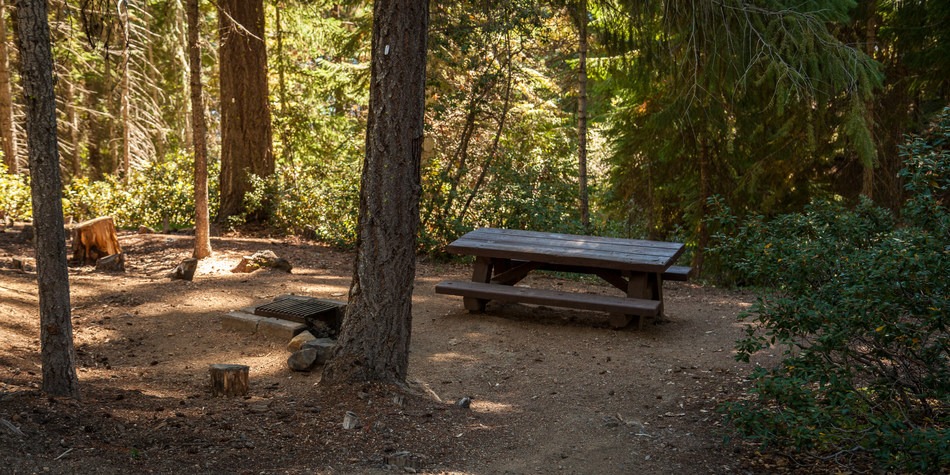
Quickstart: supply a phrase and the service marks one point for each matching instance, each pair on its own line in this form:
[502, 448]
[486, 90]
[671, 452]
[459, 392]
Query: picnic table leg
[638, 287]
[481, 274]
[655, 287]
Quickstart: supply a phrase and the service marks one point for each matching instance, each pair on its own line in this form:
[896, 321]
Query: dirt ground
[552, 391]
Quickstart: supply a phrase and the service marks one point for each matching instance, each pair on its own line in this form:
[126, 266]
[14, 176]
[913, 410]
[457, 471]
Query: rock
[185, 270]
[262, 259]
[113, 263]
[403, 460]
[464, 403]
[297, 342]
[146, 230]
[302, 360]
[324, 348]
[22, 263]
[351, 421]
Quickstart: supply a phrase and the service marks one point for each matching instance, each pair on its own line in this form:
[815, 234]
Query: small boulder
[112, 263]
[297, 342]
[262, 259]
[185, 270]
[302, 360]
[324, 348]
[351, 421]
[23, 264]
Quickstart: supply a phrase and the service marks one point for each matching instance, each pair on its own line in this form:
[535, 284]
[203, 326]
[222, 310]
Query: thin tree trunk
[461, 154]
[202, 225]
[182, 54]
[124, 91]
[582, 115]
[56, 333]
[867, 175]
[286, 148]
[374, 339]
[506, 107]
[72, 119]
[7, 129]
[702, 239]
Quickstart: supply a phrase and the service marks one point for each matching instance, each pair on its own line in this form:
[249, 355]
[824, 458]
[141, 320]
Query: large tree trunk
[7, 130]
[374, 339]
[202, 231]
[582, 114]
[246, 138]
[56, 333]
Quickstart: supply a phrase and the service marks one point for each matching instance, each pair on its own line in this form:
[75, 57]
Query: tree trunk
[246, 137]
[702, 238]
[124, 91]
[228, 379]
[582, 115]
[505, 108]
[374, 339]
[56, 333]
[199, 137]
[72, 119]
[7, 130]
[94, 239]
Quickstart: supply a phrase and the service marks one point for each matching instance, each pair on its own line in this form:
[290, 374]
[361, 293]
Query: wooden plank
[566, 249]
[567, 242]
[480, 232]
[554, 298]
[680, 273]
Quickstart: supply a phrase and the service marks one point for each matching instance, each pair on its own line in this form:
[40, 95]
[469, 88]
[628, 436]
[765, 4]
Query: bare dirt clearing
[553, 391]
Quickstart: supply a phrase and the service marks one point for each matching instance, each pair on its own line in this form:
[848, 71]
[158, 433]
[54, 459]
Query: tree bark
[56, 333]
[246, 137]
[124, 104]
[582, 115]
[374, 339]
[7, 130]
[199, 137]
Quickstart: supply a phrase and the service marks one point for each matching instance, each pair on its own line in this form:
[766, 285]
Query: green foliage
[321, 204]
[858, 302]
[15, 201]
[160, 196]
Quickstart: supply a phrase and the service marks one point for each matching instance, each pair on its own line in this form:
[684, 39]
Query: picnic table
[503, 257]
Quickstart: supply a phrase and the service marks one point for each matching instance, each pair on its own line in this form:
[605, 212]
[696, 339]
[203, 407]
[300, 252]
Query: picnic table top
[569, 249]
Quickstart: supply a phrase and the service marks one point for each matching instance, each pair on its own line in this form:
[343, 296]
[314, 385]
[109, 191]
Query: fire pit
[322, 317]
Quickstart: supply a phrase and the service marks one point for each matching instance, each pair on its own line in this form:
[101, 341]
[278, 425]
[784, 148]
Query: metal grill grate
[297, 309]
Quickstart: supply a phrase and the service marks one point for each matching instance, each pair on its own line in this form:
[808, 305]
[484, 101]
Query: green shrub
[320, 203]
[160, 195]
[858, 300]
[15, 202]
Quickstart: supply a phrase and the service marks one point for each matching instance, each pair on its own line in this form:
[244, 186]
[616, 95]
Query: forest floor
[552, 391]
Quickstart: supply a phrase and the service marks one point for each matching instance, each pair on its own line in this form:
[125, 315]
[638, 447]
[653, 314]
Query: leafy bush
[858, 301]
[323, 204]
[159, 196]
[14, 196]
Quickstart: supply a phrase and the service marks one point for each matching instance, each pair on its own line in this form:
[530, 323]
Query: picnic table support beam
[513, 275]
[481, 274]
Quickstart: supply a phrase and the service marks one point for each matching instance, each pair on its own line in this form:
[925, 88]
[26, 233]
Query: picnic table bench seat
[554, 298]
[677, 273]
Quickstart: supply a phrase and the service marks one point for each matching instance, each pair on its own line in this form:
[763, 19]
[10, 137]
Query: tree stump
[94, 239]
[229, 379]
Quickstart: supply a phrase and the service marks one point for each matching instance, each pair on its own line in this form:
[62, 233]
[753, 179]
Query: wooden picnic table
[503, 257]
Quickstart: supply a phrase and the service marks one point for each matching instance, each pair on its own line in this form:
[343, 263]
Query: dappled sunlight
[492, 407]
[451, 357]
